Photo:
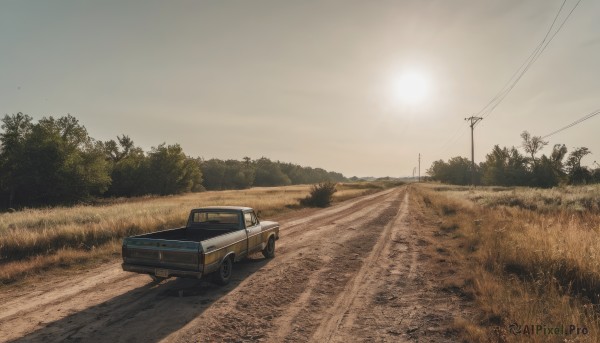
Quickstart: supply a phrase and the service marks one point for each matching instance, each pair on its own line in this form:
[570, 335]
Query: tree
[117, 151]
[130, 168]
[577, 173]
[532, 144]
[171, 171]
[505, 167]
[456, 171]
[549, 170]
[437, 171]
[545, 174]
[238, 175]
[269, 173]
[57, 161]
[596, 175]
[213, 172]
[16, 130]
[558, 154]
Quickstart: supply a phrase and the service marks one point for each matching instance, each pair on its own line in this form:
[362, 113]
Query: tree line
[55, 161]
[509, 167]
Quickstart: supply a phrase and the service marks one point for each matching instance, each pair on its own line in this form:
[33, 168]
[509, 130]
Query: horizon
[314, 84]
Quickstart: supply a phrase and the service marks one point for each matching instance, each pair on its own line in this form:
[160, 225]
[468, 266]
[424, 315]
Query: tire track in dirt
[14, 307]
[331, 215]
[340, 315]
[284, 324]
[106, 304]
[326, 214]
[268, 301]
[403, 296]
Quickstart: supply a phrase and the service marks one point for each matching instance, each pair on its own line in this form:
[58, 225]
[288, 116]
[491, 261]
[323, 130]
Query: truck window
[215, 218]
[250, 219]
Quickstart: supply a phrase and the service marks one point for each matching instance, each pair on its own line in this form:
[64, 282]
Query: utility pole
[414, 171]
[419, 167]
[474, 120]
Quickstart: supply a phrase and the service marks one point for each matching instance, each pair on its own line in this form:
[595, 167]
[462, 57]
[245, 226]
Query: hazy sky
[308, 82]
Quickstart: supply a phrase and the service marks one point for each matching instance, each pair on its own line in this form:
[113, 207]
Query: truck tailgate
[182, 255]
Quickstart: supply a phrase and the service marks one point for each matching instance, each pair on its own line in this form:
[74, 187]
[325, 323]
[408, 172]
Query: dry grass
[535, 256]
[579, 199]
[36, 267]
[37, 240]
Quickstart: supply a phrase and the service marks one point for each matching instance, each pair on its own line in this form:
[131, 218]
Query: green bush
[320, 195]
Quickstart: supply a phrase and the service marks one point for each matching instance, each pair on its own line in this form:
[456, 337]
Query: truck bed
[188, 234]
[176, 249]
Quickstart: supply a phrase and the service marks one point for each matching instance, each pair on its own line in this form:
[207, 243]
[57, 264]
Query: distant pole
[419, 167]
[474, 120]
[414, 171]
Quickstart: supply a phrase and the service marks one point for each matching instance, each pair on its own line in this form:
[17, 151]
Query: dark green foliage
[576, 173]
[54, 161]
[508, 167]
[269, 173]
[456, 171]
[320, 195]
[164, 170]
[596, 175]
[214, 174]
[304, 175]
[548, 171]
[171, 171]
[230, 174]
[129, 168]
[504, 167]
[49, 162]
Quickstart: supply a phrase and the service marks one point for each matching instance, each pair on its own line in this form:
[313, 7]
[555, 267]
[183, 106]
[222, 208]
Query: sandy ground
[365, 270]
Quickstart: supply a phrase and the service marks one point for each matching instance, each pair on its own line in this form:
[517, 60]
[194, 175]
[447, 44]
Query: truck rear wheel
[269, 250]
[157, 279]
[223, 275]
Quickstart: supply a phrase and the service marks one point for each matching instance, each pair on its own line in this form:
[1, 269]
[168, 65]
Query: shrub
[320, 195]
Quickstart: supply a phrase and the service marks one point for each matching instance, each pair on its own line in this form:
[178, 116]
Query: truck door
[254, 232]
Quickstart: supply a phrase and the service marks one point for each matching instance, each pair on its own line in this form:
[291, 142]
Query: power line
[578, 121]
[519, 73]
[533, 57]
[458, 133]
[522, 66]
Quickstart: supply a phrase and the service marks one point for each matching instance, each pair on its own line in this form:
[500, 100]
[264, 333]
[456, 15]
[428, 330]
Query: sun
[411, 88]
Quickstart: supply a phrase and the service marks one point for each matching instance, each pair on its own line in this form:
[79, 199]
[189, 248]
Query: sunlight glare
[411, 88]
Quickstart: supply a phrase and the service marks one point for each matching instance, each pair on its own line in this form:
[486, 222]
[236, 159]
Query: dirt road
[365, 270]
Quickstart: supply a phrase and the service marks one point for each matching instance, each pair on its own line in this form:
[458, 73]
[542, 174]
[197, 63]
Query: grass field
[534, 257]
[37, 240]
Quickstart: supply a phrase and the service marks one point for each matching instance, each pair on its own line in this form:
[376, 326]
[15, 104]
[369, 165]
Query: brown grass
[534, 256]
[38, 240]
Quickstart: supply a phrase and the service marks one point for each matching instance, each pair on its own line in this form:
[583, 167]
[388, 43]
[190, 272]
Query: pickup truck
[213, 239]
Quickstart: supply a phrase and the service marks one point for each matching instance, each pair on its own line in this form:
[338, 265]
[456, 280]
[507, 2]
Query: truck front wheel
[269, 250]
[223, 275]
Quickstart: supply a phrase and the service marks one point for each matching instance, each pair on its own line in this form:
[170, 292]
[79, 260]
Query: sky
[309, 82]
